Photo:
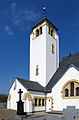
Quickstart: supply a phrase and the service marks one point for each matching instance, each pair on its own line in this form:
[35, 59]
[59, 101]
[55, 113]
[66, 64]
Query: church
[52, 86]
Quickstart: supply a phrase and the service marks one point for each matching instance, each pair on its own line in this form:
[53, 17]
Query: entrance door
[48, 105]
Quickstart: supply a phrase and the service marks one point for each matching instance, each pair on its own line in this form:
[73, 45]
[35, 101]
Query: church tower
[44, 52]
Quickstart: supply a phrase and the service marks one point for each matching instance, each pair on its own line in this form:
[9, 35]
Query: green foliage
[3, 99]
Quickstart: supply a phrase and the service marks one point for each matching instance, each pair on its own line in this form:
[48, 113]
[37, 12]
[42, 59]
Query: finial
[44, 8]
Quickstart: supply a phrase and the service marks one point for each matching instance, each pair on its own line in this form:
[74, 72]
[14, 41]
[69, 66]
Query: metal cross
[44, 8]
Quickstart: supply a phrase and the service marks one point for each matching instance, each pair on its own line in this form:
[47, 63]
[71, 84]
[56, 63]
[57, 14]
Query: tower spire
[44, 8]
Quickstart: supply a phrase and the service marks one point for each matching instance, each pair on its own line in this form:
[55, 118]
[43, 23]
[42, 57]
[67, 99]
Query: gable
[70, 74]
[16, 85]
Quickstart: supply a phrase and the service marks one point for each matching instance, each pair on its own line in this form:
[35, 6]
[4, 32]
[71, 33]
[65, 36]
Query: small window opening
[37, 33]
[40, 30]
[66, 92]
[72, 89]
[42, 102]
[35, 101]
[52, 48]
[39, 102]
[51, 32]
[77, 91]
[37, 70]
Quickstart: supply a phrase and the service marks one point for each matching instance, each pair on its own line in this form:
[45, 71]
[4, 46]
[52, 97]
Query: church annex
[52, 86]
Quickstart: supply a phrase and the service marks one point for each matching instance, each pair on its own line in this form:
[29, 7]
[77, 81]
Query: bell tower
[44, 51]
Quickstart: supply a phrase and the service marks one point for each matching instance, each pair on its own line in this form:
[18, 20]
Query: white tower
[44, 52]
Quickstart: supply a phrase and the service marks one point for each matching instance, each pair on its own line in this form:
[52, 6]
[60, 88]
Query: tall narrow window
[52, 48]
[66, 92]
[72, 89]
[43, 102]
[35, 101]
[51, 32]
[77, 91]
[37, 70]
[40, 30]
[39, 102]
[37, 32]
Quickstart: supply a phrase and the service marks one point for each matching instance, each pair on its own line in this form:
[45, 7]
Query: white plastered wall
[58, 102]
[41, 55]
[28, 105]
[38, 57]
[15, 95]
[52, 60]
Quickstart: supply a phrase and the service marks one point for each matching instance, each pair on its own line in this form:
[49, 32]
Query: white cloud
[13, 5]
[23, 17]
[8, 30]
[31, 15]
[18, 16]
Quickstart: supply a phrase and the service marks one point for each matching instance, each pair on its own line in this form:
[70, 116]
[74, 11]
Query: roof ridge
[25, 80]
[71, 55]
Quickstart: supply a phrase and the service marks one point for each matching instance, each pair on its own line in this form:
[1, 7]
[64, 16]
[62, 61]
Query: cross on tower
[44, 8]
[20, 92]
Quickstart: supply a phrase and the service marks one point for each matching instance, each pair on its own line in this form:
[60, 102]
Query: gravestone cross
[20, 92]
[20, 105]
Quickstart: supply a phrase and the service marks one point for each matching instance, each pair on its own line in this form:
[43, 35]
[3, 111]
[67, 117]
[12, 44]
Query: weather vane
[44, 8]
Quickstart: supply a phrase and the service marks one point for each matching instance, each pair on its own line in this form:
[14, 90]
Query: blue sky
[17, 17]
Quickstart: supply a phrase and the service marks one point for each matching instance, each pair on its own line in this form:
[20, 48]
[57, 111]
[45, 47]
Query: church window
[43, 102]
[37, 33]
[77, 91]
[37, 70]
[52, 49]
[72, 89]
[39, 102]
[40, 30]
[66, 92]
[36, 101]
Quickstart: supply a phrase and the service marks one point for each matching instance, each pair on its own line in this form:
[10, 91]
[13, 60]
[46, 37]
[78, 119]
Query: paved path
[4, 113]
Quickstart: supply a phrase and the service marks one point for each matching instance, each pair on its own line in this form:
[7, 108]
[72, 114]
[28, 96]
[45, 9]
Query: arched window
[66, 92]
[40, 30]
[77, 91]
[72, 89]
[37, 32]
